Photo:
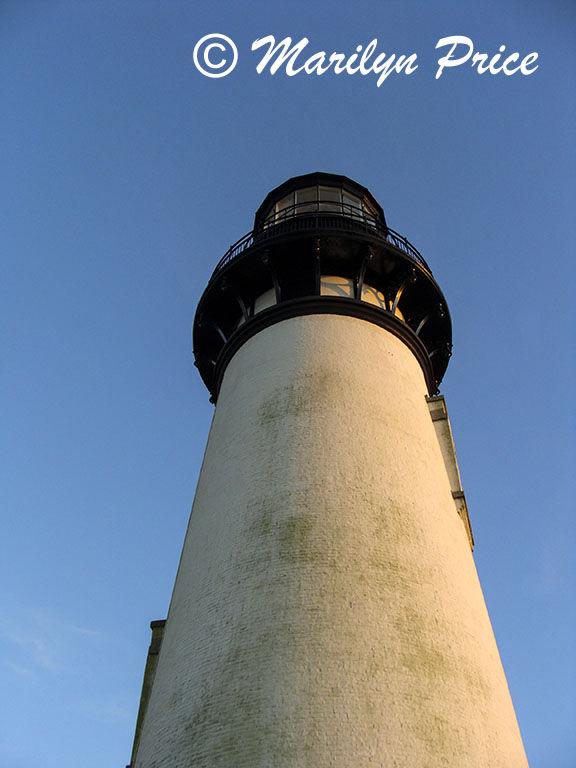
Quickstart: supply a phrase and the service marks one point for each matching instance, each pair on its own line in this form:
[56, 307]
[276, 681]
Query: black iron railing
[319, 214]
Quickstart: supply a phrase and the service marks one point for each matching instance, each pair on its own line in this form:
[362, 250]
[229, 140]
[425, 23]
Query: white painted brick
[327, 611]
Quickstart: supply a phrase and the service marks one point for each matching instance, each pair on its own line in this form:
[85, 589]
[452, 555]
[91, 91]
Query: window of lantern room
[330, 199]
[285, 207]
[351, 206]
[306, 200]
[323, 199]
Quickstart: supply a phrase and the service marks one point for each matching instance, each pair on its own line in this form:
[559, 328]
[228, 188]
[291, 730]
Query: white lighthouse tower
[327, 611]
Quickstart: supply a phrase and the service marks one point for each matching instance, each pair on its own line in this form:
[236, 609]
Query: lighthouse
[327, 612]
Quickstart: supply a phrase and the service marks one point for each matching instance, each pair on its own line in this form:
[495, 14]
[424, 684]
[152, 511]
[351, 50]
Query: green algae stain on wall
[240, 720]
[224, 710]
[295, 540]
[308, 392]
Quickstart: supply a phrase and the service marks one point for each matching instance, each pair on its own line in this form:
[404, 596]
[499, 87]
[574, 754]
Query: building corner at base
[157, 628]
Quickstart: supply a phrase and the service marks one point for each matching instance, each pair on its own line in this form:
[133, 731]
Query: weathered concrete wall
[327, 611]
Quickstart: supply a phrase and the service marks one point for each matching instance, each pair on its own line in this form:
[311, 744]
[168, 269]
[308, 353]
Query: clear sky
[126, 174]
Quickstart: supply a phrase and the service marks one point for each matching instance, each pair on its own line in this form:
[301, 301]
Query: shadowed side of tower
[327, 610]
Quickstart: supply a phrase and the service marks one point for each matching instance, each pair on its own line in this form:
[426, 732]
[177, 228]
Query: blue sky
[126, 174]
